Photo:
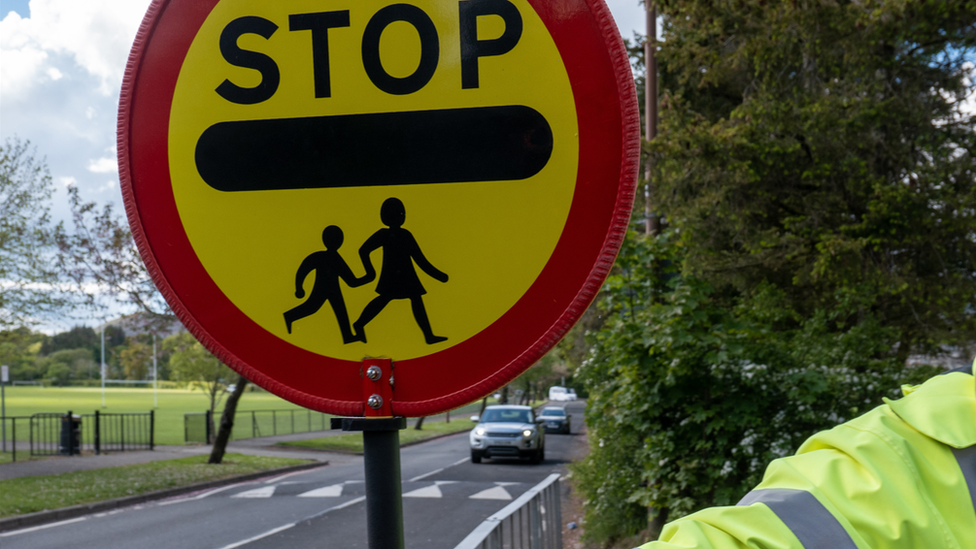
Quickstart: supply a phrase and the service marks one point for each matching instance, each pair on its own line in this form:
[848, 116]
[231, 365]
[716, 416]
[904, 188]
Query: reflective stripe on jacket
[902, 476]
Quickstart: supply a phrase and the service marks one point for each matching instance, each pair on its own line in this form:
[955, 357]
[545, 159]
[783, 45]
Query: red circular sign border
[609, 144]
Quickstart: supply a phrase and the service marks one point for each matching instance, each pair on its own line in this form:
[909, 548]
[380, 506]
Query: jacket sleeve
[875, 482]
[728, 528]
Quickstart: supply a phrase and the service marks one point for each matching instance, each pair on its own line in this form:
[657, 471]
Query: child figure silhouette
[398, 278]
[329, 267]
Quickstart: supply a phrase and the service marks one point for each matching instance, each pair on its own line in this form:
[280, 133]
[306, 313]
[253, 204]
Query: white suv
[558, 393]
[508, 431]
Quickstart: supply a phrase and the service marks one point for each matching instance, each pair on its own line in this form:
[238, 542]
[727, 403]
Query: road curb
[65, 513]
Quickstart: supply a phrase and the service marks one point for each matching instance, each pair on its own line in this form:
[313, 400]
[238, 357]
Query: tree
[102, 254]
[65, 365]
[27, 273]
[823, 148]
[817, 174]
[691, 398]
[101, 250]
[19, 349]
[227, 422]
[135, 358]
[75, 338]
[191, 362]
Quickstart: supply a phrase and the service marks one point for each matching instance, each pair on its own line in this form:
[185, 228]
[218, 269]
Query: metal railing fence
[533, 521]
[8, 428]
[199, 426]
[118, 432]
[53, 433]
[263, 423]
[45, 433]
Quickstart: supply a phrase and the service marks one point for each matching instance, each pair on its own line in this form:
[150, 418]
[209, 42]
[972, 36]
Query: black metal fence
[199, 426]
[8, 434]
[119, 432]
[53, 433]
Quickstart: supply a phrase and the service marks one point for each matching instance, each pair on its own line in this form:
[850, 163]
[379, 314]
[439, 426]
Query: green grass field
[172, 404]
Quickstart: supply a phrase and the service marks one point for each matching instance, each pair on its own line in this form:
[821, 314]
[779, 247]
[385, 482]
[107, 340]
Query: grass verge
[353, 442]
[22, 455]
[23, 495]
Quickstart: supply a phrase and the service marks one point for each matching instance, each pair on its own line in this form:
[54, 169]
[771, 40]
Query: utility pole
[4, 378]
[103, 365]
[155, 377]
[652, 224]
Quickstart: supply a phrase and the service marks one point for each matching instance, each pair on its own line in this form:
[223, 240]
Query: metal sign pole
[381, 456]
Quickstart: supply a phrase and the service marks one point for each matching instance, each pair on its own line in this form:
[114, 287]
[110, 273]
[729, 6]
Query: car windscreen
[553, 412]
[506, 416]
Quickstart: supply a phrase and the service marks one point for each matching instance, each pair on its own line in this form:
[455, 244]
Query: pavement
[264, 446]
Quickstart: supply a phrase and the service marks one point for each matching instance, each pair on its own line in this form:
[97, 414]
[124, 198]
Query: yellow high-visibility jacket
[902, 476]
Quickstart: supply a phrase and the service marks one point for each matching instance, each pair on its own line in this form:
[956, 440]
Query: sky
[61, 68]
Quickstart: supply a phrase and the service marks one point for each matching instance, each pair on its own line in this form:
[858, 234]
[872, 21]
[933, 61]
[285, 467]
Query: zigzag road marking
[333, 491]
[430, 491]
[263, 492]
[498, 492]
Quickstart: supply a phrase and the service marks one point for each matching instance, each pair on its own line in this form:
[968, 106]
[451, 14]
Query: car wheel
[538, 456]
[475, 456]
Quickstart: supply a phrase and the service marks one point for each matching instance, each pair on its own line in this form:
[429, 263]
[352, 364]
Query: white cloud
[96, 34]
[60, 74]
[103, 165]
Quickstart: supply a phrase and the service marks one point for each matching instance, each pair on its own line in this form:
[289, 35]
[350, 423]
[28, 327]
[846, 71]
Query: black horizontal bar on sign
[504, 143]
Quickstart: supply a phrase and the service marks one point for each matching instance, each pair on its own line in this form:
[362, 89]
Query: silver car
[556, 419]
[508, 431]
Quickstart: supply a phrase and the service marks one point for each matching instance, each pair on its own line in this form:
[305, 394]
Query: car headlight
[480, 431]
[527, 433]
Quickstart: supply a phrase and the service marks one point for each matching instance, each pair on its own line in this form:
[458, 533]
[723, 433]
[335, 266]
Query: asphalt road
[445, 496]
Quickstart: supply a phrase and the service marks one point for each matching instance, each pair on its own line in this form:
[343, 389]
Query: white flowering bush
[694, 391]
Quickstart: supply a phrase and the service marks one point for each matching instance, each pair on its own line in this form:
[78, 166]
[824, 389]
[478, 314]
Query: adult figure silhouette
[329, 267]
[398, 278]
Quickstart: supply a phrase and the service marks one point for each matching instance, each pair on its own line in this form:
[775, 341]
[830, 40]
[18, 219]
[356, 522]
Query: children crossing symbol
[444, 183]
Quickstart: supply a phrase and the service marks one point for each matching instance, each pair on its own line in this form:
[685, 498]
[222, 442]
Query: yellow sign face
[393, 223]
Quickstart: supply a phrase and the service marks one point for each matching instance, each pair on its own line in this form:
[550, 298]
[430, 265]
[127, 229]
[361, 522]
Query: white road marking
[263, 492]
[286, 475]
[292, 525]
[428, 492]
[203, 495]
[498, 492]
[42, 527]
[360, 499]
[435, 471]
[259, 536]
[333, 491]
